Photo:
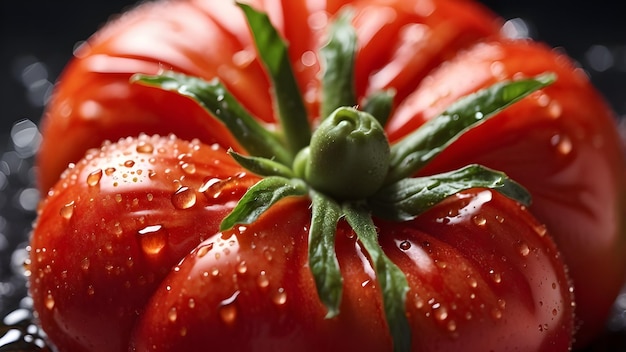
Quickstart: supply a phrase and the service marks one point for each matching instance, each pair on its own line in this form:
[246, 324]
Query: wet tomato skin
[115, 225]
[94, 100]
[560, 143]
[482, 273]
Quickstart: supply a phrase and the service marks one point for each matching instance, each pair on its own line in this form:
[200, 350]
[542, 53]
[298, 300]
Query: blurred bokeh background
[37, 38]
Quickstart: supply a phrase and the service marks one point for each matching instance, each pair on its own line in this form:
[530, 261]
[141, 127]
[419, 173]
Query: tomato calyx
[346, 166]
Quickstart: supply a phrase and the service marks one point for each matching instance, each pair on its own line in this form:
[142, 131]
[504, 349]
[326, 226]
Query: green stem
[272, 48]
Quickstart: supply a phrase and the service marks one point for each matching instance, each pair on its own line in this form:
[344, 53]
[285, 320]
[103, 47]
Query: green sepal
[392, 281]
[337, 60]
[412, 152]
[322, 257]
[406, 199]
[380, 104]
[217, 100]
[261, 166]
[273, 51]
[261, 197]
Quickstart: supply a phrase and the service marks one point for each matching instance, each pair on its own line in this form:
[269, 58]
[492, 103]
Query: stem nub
[348, 157]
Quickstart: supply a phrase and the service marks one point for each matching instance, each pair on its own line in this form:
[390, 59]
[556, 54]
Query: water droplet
[280, 297]
[308, 58]
[496, 313]
[202, 251]
[541, 230]
[93, 179]
[91, 290]
[479, 220]
[67, 210]
[563, 144]
[496, 277]
[263, 281]
[242, 267]
[189, 168]
[524, 250]
[145, 147]
[184, 198]
[543, 327]
[441, 313]
[227, 309]
[191, 303]
[472, 282]
[172, 314]
[405, 245]
[49, 301]
[84, 264]
[153, 239]
[451, 326]
[109, 171]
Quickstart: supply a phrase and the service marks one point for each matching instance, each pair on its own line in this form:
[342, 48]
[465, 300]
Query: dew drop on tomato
[184, 198]
[153, 239]
[228, 310]
[93, 179]
[280, 297]
[263, 281]
[144, 147]
[172, 314]
[67, 210]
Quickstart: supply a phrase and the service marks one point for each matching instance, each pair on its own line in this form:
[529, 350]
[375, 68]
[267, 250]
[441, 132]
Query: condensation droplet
[184, 198]
[280, 297]
[563, 144]
[405, 245]
[541, 230]
[49, 301]
[109, 171]
[145, 147]
[202, 251]
[189, 168]
[263, 281]
[242, 267]
[227, 309]
[67, 210]
[191, 303]
[93, 179]
[479, 220]
[441, 313]
[153, 239]
[496, 277]
[129, 163]
[524, 250]
[172, 314]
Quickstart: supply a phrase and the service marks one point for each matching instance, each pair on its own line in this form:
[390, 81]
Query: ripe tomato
[115, 225]
[107, 248]
[561, 143]
[480, 269]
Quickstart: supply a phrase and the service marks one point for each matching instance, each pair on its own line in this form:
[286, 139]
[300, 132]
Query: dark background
[37, 38]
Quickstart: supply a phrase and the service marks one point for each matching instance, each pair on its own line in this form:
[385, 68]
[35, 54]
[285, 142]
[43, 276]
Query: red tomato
[560, 143]
[115, 225]
[107, 249]
[481, 270]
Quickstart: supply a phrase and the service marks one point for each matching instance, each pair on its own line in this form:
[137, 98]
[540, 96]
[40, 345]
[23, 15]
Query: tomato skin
[99, 249]
[482, 273]
[579, 194]
[564, 150]
[94, 101]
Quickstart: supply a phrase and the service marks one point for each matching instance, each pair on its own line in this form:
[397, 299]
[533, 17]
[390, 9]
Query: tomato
[115, 225]
[560, 143]
[473, 278]
[106, 261]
